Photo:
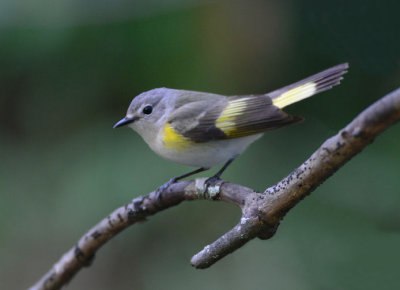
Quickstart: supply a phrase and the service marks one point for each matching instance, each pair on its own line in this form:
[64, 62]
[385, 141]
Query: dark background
[68, 71]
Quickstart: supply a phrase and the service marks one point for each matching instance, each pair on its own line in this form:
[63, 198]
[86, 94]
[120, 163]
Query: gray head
[148, 109]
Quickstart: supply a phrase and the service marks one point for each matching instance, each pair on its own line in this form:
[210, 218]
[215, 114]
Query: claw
[210, 181]
[217, 176]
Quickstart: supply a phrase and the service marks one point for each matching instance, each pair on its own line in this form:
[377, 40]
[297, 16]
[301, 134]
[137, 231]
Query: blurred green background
[68, 71]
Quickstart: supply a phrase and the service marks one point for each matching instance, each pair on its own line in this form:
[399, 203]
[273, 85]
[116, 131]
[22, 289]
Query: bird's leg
[175, 179]
[217, 176]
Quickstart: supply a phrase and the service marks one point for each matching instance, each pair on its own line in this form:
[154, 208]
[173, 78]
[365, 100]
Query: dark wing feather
[247, 115]
[229, 117]
[196, 120]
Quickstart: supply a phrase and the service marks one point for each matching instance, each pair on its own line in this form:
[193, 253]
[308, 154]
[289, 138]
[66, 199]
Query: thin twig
[261, 212]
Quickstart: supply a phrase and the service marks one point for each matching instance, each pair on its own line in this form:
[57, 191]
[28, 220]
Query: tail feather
[308, 87]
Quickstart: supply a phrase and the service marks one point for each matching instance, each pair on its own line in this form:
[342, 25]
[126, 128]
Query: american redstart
[205, 130]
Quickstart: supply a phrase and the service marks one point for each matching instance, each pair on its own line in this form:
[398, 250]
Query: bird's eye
[147, 110]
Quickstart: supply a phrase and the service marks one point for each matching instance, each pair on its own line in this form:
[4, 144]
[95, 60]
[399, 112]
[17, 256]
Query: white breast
[207, 154]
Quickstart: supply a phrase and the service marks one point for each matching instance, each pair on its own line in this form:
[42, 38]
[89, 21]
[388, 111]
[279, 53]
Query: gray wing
[196, 120]
[228, 117]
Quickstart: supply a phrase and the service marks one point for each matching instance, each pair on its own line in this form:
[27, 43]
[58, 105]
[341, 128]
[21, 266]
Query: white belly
[208, 154]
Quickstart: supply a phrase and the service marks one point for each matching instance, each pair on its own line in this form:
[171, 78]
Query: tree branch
[261, 212]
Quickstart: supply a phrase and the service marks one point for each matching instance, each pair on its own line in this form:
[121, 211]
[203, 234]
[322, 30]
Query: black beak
[124, 121]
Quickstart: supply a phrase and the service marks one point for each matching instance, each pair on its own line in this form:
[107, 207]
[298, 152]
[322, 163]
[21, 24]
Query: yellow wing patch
[225, 122]
[296, 94]
[173, 140]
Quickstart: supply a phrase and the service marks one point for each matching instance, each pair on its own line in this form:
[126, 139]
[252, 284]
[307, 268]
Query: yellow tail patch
[296, 94]
[173, 140]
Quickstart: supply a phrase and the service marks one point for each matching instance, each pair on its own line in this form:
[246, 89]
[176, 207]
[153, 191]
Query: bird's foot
[164, 187]
[210, 182]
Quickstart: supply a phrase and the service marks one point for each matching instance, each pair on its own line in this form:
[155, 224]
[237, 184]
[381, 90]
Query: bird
[205, 130]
